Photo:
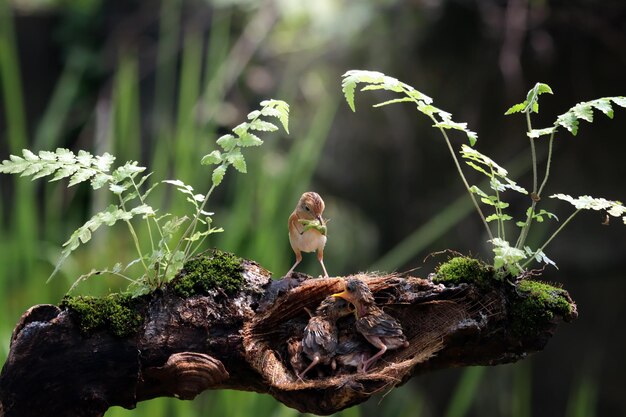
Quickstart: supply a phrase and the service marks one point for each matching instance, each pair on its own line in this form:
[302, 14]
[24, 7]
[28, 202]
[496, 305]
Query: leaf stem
[531, 258]
[456, 163]
[467, 187]
[545, 178]
[135, 239]
[533, 152]
[524, 232]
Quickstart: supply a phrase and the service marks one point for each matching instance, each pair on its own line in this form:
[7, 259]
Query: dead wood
[186, 345]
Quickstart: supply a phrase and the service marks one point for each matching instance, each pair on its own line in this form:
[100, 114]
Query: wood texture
[188, 345]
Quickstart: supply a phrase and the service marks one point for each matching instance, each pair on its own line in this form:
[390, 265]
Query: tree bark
[186, 345]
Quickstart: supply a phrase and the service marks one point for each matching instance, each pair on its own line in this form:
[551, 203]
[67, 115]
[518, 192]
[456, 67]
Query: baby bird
[378, 327]
[307, 228]
[320, 334]
[352, 351]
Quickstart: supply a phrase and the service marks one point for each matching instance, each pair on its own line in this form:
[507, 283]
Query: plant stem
[191, 229]
[529, 218]
[533, 153]
[456, 162]
[524, 232]
[141, 199]
[467, 187]
[135, 239]
[545, 178]
[531, 258]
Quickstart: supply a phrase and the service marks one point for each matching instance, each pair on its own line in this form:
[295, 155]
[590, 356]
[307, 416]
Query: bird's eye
[307, 208]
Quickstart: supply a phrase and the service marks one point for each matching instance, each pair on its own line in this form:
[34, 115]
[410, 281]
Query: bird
[352, 351]
[307, 228]
[319, 342]
[379, 328]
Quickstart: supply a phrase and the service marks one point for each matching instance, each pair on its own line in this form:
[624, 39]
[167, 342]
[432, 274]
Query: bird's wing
[319, 336]
[378, 323]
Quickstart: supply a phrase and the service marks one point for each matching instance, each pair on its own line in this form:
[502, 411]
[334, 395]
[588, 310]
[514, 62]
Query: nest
[426, 323]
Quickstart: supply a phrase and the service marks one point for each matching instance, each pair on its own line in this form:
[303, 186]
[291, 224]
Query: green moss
[115, 312]
[221, 270]
[535, 305]
[464, 269]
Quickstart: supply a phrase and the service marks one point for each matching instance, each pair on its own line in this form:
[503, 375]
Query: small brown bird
[352, 351]
[307, 228]
[378, 327]
[320, 334]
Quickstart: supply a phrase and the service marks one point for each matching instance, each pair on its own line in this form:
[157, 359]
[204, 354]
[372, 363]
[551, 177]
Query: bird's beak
[342, 294]
[319, 219]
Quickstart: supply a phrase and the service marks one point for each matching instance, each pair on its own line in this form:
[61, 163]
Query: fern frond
[242, 137]
[107, 217]
[585, 202]
[531, 104]
[61, 164]
[570, 119]
[374, 80]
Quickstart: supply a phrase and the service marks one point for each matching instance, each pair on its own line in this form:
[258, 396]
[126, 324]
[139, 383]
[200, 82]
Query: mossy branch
[222, 322]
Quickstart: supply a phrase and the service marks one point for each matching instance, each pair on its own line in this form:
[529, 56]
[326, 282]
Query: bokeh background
[159, 81]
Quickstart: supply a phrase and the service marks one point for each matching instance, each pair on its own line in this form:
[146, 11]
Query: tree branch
[63, 362]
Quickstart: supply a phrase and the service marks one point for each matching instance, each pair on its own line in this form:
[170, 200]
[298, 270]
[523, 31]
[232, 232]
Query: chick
[352, 352]
[319, 343]
[379, 328]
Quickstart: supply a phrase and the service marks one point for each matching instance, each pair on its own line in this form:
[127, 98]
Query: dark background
[384, 173]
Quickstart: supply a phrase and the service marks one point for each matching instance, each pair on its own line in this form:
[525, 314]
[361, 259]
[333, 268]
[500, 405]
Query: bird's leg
[298, 260]
[316, 360]
[320, 257]
[374, 340]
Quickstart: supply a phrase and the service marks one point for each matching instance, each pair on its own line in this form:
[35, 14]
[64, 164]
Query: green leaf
[238, 162]
[83, 174]
[227, 142]
[585, 202]
[218, 175]
[241, 129]
[263, 126]
[535, 133]
[517, 108]
[531, 104]
[570, 119]
[507, 257]
[249, 139]
[474, 189]
[277, 108]
[503, 217]
[491, 218]
[393, 101]
[213, 158]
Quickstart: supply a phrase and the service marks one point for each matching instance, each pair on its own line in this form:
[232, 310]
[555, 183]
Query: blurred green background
[159, 81]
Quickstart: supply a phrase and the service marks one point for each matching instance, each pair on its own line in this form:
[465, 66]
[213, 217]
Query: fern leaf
[278, 109]
[535, 133]
[60, 164]
[531, 104]
[212, 158]
[227, 142]
[348, 85]
[570, 119]
[248, 139]
[238, 161]
[263, 126]
[395, 100]
[218, 175]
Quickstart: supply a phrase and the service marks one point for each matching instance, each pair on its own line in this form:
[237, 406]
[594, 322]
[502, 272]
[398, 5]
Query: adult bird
[307, 228]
